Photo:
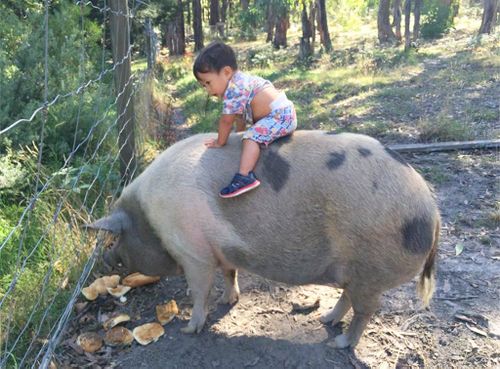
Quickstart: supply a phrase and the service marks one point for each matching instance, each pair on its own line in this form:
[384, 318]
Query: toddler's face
[216, 83]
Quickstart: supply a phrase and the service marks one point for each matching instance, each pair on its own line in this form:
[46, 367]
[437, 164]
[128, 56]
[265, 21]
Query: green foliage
[438, 17]
[73, 52]
[348, 14]
[41, 246]
[247, 23]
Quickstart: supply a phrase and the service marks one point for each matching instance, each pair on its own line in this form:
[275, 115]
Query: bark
[416, 19]
[407, 24]
[188, 20]
[197, 26]
[489, 19]
[385, 33]
[396, 14]
[244, 4]
[270, 23]
[213, 19]
[282, 24]
[323, 25]
[312, 17]
[223, 17]
[175, 34]
[305, 41]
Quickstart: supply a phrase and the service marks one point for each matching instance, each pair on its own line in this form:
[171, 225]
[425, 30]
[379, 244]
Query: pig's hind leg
[340, 309]
[231, 289]
[363, 305]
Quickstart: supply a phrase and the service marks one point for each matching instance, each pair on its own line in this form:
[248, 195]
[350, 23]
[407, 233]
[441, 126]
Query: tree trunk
[396, 14]
[385, 33]
[197, 26]
[312, 18]
[489, 20]
[188, 20]
[214, 16]
[305, 41]
[407, 24]
[270, 22]
[223, 15]
[282, 24]
[244, 5]
[416, 19]
[181, 33]
[323, 25]
[175, 36]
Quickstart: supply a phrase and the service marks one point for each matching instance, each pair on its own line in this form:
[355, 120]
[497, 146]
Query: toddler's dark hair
[213, 58]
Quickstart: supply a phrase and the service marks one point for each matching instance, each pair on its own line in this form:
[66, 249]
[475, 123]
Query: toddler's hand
[212, 143]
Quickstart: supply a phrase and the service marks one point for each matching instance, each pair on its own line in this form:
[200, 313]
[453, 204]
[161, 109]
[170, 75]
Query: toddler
[270, 114]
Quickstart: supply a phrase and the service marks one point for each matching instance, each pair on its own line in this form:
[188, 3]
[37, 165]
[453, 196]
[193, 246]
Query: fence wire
[51, 257]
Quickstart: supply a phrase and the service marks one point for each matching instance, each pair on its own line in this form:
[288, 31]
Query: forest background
[342, 62]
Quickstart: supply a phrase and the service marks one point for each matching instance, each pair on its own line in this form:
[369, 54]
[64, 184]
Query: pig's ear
[114, 223]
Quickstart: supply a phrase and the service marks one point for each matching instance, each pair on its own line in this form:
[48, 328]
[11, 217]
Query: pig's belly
[293, 265]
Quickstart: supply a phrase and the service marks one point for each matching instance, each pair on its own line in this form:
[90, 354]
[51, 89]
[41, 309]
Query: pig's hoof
[190, 329]
[341, 341]
[229, 298]
[328, 317]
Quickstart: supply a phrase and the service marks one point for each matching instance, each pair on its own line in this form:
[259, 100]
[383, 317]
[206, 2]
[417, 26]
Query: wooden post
[120, 40]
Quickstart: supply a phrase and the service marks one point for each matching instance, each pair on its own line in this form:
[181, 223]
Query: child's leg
[249, 155]
[240, 124]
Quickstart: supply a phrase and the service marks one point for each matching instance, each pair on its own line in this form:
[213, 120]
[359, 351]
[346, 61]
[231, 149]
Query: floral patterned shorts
[281, 122]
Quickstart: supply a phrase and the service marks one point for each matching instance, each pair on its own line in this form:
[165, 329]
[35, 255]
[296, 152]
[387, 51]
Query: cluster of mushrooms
[115, 334]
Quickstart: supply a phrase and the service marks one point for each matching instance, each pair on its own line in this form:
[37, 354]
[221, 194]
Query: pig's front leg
[231, 289]
[200, 279]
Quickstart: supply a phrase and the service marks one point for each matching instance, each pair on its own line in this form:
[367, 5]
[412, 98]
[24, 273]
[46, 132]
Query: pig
[332, 209]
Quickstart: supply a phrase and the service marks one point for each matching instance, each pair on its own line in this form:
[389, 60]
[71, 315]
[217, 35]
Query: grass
[42, 253]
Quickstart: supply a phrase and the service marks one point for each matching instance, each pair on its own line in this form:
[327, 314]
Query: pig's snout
[112, 262]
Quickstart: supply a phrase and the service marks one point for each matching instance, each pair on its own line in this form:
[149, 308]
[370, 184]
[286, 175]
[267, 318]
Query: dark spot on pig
[283, 140]
[276, 170]
[364, 152]
[331, 133]
[236, 255]
[396, 156]
[336, 160]
[417, 235]
[374, 186]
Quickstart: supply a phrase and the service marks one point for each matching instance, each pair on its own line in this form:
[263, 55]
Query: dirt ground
[460, 329]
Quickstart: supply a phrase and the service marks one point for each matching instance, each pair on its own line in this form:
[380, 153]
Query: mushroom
[89, 341]
[90, 293]
[138, 279]
[166, 312]
[119, 290]
[118, 336]
[115, 320]
[147, 333]
[111, 281]
[100, 286]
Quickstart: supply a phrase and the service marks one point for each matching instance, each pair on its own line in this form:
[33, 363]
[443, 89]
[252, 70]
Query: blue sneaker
[239, 185]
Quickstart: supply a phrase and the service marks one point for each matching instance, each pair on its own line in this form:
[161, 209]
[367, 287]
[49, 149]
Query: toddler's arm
[225, 126]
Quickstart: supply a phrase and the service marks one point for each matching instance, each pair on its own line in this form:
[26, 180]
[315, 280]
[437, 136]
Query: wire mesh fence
[59, 167]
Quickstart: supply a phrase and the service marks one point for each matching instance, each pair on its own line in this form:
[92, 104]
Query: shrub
[438, 17]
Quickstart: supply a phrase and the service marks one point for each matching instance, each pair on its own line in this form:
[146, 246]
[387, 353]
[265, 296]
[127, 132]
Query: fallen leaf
[459, 247]
[477, 330]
